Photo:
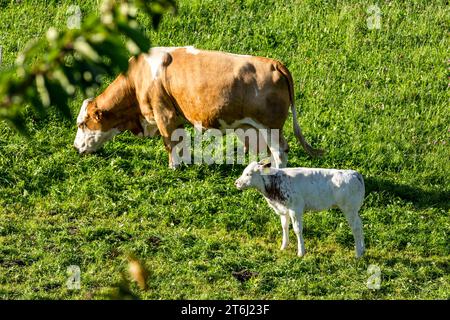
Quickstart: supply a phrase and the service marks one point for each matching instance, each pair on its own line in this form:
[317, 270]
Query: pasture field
[377, 99]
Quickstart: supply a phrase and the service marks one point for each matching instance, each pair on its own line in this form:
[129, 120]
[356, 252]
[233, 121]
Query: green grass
[376, 100]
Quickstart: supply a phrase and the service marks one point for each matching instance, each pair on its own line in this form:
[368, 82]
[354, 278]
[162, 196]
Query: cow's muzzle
[81, 152]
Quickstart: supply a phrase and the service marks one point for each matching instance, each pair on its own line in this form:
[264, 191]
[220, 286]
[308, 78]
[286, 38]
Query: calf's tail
[297, 131]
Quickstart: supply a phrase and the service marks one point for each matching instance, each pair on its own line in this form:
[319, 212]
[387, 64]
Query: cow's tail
[298, 132]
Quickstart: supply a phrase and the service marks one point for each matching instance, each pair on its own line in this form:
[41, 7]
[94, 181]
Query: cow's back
[217, 88]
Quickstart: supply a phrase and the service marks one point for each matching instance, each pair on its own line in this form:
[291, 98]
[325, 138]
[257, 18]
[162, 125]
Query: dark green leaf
[136, 35]
[59, 98]
[33, 97]
[115, 50]
[15, 119]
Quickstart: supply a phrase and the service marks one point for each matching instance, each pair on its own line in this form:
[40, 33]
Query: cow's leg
[297, 222]
[272, 141]
[179, 153]
[284, 149]
[248, 145]
[167, 122]
[253, 142]
[356, 225]
[285, 225]
[264, 142]
[276, 157]
[278, 148]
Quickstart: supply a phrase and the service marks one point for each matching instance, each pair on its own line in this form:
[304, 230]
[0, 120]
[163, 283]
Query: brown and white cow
[170, 85]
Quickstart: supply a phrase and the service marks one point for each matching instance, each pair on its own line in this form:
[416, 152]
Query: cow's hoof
[174, 166]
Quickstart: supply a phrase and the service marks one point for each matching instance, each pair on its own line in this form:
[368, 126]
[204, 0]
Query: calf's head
[252, 177]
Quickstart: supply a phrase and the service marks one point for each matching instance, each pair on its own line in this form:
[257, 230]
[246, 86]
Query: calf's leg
[297, 222]
[285, 225]
[356, 225]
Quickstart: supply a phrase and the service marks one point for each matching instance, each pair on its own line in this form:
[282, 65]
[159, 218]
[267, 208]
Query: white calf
[291, 191]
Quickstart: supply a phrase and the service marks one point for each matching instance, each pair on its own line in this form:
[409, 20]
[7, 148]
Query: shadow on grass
[419, 197]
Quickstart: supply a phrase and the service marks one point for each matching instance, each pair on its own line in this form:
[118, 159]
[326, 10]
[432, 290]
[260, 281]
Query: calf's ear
[265, 163]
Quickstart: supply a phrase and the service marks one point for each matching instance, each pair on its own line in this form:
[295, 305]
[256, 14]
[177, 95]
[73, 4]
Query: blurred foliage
[137, 273]
[76, 58]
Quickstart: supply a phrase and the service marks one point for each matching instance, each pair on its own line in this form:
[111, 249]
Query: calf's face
[251, 177]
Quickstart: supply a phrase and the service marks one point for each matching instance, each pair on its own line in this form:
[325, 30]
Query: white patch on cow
[192, 50]
[164, 49]
[157, 52]
[87, 141]
[154, 60]
[237, 123]
[239, 55]
[83, 111]
[149, 126]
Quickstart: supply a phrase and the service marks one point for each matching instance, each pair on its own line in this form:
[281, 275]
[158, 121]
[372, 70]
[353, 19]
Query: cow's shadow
[223, 170]
[419, 197]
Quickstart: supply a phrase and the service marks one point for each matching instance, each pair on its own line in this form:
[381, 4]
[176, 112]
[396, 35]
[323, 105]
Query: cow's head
[97, 125]
[94, 127]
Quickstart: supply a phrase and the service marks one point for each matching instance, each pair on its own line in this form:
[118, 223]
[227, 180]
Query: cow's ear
[97, 115]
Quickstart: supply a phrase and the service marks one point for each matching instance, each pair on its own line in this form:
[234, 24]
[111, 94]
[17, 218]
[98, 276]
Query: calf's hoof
[301, 253]
[359, 254]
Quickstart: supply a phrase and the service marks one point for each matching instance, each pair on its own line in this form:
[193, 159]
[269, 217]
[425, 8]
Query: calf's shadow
[419, 197]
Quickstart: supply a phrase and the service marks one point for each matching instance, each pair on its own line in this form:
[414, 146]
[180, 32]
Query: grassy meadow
[376, 99]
